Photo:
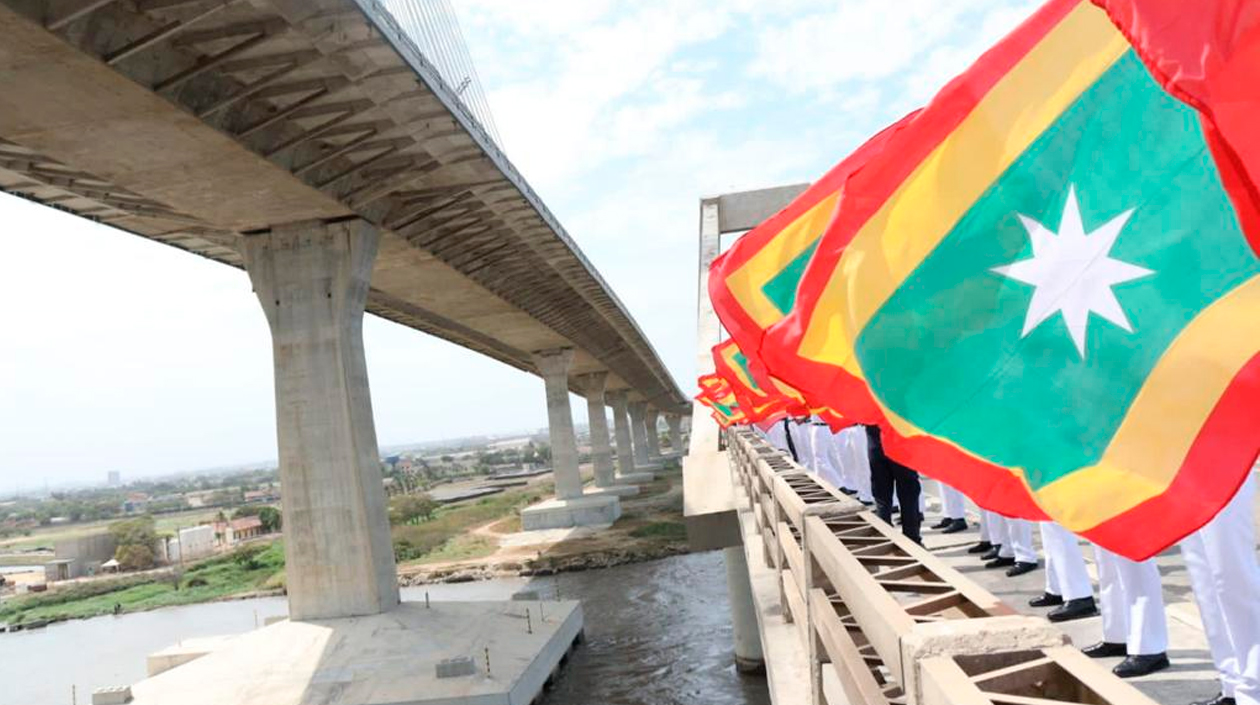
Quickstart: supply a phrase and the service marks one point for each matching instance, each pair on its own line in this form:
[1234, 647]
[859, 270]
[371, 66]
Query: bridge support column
[570, 507]
[312, 280]
[627, 471]
[638, 431]
[592, 386]
[748, 654]
[651, 419]
[674, 421]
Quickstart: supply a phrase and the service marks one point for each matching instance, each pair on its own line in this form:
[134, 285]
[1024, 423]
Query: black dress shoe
[1000, 562]
[955, 526]
[943, 524]
[1080, 608]
[1046, 599]
[982, 547]
[1220, 699]
[1105, 649]
[1141, 665]
[1021, 568]
[993, 554]
[848, 491]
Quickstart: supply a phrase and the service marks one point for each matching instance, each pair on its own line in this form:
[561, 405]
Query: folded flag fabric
[1045, 288]
[716, 394]
[753, 284]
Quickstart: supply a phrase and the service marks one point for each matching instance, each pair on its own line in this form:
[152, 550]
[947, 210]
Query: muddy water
[657, 633]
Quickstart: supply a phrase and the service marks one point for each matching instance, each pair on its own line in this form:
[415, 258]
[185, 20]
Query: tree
[408, 508]
[135, 556]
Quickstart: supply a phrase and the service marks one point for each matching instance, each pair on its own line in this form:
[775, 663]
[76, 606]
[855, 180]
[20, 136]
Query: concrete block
[564, 513]
[969, 637]
[612, 491]
[113, 695]
[457, 667]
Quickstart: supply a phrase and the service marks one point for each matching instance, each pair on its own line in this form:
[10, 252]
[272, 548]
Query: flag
[716, 393]
[758, 403]
[1045, 289]
[753, 284]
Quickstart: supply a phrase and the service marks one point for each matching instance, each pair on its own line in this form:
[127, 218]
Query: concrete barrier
[892, 622]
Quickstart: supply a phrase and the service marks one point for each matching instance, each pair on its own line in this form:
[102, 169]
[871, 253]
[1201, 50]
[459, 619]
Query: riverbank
[480, 539]
[232, 575]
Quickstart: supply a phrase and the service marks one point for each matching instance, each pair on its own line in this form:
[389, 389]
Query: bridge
[314, 145]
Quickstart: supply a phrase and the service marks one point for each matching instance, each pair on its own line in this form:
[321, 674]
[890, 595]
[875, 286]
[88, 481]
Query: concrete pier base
[612, 491]
[391, 657]
[636, 478]
[587, 510]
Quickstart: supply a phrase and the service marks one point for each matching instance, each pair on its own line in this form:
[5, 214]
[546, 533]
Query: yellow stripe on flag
[928, 204]
[1164, 418]
[746, 283]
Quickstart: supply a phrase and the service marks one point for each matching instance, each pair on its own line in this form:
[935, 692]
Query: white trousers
[859, 461]
[1014, 536]
[1132, 603]
[953, 503]
[986, 526]
[1221, 561]
[1066, 574]
[800, 441]
[777, 435]
[838, 456]
[824, 464]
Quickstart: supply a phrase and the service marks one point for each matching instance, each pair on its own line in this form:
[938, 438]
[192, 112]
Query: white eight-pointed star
[1072, 273]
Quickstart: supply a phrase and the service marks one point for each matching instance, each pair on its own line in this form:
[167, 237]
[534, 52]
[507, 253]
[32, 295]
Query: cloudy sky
[120, 354]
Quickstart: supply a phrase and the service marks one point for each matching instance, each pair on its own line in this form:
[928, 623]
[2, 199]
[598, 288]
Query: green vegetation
[416, 541]
[461, 548]
[258, 568]
[411, 508]
[663, 530]
[136, 538]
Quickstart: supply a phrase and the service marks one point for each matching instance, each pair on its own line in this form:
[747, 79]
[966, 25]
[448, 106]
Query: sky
[118, 353]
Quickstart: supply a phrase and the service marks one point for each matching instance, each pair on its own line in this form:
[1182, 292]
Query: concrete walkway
[1191, 676]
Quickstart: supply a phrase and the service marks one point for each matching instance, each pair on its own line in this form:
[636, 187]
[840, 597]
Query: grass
[48, 536]
[218, 577]
[461, 548]
[662, 530]
[416, 543]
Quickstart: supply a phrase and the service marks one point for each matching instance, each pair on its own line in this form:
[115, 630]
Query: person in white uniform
[824, 466]
[1134, 624]
[1068, 588]
[859, 461]
[799, 430]
[953, 510]
[1225, 576]
[776, 435]
[986, 534]
[1012, 546]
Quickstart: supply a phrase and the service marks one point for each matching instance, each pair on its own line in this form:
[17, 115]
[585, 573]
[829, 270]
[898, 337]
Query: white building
[195, 542]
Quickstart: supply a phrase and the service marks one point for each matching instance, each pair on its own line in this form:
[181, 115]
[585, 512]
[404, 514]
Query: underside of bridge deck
[191, 122]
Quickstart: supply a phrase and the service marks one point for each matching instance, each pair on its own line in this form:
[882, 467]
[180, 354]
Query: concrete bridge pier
[312, 281]
[593, 386]
[674, 421]
[570, 507]
[638, 431]
[627, 470]
[651, 424]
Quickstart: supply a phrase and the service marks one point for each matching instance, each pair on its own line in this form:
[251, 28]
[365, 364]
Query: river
[657, 633]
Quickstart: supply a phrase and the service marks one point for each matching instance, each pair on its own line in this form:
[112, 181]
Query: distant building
[196, 541]
[80, 556]
[232, 532]
[115, 478]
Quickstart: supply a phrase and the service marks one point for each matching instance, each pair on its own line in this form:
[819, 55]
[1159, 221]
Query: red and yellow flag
[1045, 288]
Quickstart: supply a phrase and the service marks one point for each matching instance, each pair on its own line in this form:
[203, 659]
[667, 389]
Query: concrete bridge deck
[190, 122]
